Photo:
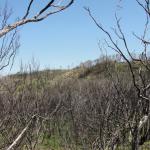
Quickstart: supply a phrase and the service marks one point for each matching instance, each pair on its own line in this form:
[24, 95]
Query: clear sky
[70, 37]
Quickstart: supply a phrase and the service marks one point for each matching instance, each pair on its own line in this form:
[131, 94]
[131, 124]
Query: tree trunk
[135, 139]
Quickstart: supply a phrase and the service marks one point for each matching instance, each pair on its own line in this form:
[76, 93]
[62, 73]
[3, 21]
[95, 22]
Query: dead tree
[9, 38]
[141, 84]
[9, 42]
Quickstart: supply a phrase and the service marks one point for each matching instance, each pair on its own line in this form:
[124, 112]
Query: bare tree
[139, 78]
[9, 44]
[9, 38]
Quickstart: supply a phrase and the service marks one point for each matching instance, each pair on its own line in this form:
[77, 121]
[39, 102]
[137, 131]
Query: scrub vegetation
[99, 105]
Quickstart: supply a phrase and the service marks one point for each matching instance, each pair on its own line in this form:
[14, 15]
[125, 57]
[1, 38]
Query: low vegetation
[82, 108]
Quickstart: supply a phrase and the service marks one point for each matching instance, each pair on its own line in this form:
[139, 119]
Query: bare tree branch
[12, 146]
[41, 15]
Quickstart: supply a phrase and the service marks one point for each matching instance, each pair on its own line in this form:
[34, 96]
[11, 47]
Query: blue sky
[70, 37]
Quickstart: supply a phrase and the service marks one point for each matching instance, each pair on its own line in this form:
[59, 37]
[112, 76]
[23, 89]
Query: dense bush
[84, 113]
